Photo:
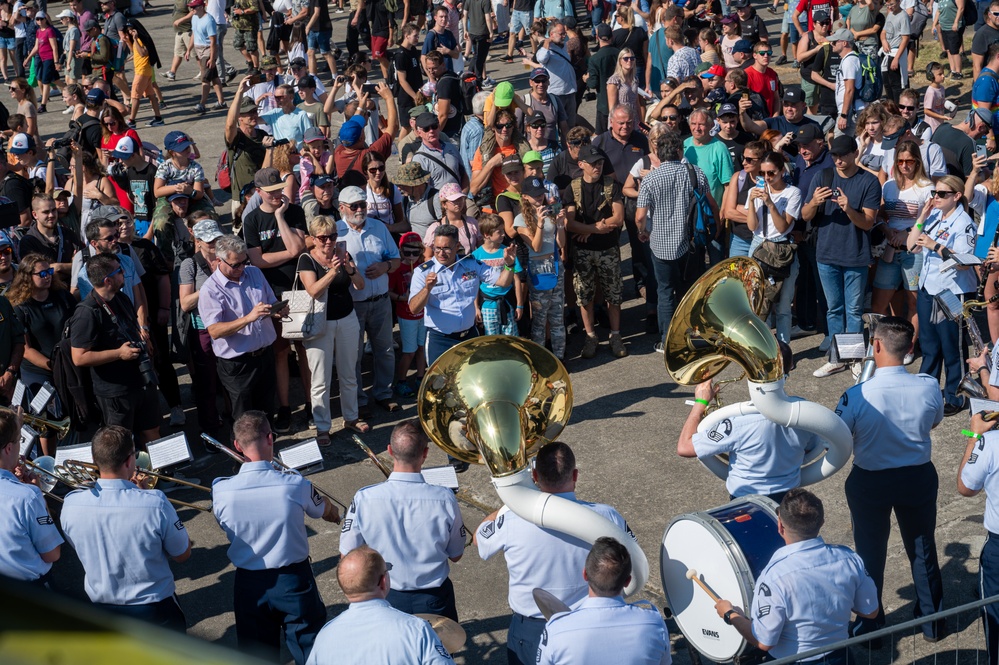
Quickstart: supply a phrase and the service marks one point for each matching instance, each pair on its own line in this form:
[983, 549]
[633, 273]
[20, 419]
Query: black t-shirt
[260, 230]
[562, 170]
[752, 29]
[339, 302]
[407, 66]
[523, 5]
[61, 251]
[94, 330]
[378, 18]
[449, 88]
[43, 323]
[826, 64]
[635, 39]
[736, 146]
[507, 204]
[593, 208]
[18, 189]
[90, 133]
[246, 155]
[155, 265]
[984, 37]
[323, 23]
[140, 182]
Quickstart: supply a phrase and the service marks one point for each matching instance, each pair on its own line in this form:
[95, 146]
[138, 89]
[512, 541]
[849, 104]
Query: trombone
[371, 455]
[85, 474]
[278, 465]
[59, 427]
[48, 474]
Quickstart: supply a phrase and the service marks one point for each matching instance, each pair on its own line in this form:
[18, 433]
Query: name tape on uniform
[302, 455]
[79, 453]
[168, 451]
[445, 476]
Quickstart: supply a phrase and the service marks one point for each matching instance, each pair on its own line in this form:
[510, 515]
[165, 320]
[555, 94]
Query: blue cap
[322, 180]
[743, 46]
[177, 141]
[351, 130]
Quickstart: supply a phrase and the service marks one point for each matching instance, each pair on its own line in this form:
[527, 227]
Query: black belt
[375, 298]
[526, 619]
[249, 354]
[461, 334]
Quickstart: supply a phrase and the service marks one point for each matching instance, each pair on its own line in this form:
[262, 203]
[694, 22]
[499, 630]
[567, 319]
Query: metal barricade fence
[963, 643]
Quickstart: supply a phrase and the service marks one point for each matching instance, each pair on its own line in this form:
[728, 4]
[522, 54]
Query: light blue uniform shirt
[124, 537]
[371, 244]
[540, 558]
[291, 126]
[605, 630]
[373, 631]
[450, 306]
[262, 511]
[804, 597]
[133, 275]
[412, 524]
[981, 473]
[890, 416]
[26, 531]
[764, 458]
[956, 233]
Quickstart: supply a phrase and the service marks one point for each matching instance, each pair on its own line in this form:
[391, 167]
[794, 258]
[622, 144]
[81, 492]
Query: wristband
[970, 434]
[508, 267]
[919, 225]
[520, 307]
[702, 401]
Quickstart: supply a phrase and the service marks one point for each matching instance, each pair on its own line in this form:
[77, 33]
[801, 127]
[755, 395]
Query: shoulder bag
[306, 315]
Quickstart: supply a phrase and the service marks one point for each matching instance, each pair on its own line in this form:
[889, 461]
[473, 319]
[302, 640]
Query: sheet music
[445, 476]
[18, 398]
[951, 303]
[979, 405]
[80, 453]
[949, 264]
[42, 398]
[28, 436]
[302, 455]
[168, 451]
[850, 346]
[966, 259]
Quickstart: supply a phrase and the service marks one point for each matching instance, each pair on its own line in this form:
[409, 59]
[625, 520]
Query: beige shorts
[180, 43]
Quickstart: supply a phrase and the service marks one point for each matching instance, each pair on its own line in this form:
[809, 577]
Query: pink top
[934, 101]
[43, 36]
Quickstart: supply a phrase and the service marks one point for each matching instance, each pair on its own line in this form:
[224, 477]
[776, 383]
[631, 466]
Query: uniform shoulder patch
[178, 525]
[499, 522]
[488, 529]
[347, 523]
[317, 498]
[764, 589]
[973, 458]
[442, 651]
[45, 520]
[721, 430]
[353, 507]
[464, 531]
[763, 611]
[426, 265]
[544, 637]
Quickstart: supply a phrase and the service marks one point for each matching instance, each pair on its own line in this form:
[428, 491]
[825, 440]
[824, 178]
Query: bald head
[363, 575]
[408, 444]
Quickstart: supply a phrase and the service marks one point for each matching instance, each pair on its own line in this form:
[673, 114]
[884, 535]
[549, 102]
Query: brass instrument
[48, 474]
[278, 465]
[970, 385]
[86, 473]
[371, 455]
[867, 369]
[59, 427]
[716, 402]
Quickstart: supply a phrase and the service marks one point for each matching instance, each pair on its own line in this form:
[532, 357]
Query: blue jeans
[782, 308]
[669, 280]
[597, 15]
[941, 348]
[738, 247]
[988, 579]
[844, 289]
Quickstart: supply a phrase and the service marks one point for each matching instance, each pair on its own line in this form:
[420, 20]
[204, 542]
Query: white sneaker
[826, 343]
[909, 359]
[177, 417]
[855, 369]
[67, 110]
[659, 348]
[828, 370]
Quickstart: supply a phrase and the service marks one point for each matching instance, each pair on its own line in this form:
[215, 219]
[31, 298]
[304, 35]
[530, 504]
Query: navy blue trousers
[426, 601]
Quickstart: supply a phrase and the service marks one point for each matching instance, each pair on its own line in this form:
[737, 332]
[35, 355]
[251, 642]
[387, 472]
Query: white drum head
[692, 542]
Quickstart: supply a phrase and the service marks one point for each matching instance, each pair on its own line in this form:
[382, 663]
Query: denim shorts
[7, 43]
[320, 40]
[520, 20]
[413, 333]
[901, 272]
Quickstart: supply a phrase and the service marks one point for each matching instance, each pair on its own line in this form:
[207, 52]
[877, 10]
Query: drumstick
[692, 575]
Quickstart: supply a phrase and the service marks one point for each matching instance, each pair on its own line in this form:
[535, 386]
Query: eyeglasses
[503, 126]
[376, 169]
[236, 266]
[750, 160]
[322, 240]
[436, 125]
[360, 205]
[113, 273]
[768, 174]
[903, 107]
[411, 252]
[941, 194]
[48, 272]
[671, 118]
[628, 58]
[442, 250]
[768, 52]
[113, 238]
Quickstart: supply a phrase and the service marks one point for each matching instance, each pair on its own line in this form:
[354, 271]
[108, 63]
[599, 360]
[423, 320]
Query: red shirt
[767, 84]
[815, 5]
[399, 281]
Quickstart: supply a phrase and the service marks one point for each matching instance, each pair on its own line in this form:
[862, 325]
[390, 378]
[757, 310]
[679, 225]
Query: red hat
[410, 238]
[716, 70]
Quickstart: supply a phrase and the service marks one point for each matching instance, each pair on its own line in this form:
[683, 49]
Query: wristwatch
[842, 115]
[727, 618]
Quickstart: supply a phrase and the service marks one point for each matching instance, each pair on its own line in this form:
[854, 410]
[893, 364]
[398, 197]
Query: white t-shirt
[380, 208]
[873, 156]
[849, 68]
[787, 201]
[903, 207]
[547, 236]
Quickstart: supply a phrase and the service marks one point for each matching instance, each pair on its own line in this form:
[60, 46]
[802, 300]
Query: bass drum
[728, 547]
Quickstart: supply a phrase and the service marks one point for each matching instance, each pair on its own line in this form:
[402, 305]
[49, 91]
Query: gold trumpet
[275, 462]
[60, 427]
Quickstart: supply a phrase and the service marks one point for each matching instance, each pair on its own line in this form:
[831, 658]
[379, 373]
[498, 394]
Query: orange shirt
[496, 178]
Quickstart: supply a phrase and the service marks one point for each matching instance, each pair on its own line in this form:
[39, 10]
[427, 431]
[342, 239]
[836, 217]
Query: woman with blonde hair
[284, 158]
[629, 32]
[622, 87]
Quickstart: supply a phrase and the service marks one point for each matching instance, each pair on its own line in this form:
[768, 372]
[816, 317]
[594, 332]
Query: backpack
[577, 191]
[118, 51]
[391, 6]
[700, 222]
[73, 384]
[470, 86]
[970, 15]
[871, 83]
[920, 16]
[223, 175]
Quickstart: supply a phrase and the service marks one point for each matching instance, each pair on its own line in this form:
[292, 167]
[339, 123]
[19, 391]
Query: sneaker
[617, 347]
[170, 76]
[163, 104]
[957, 76]
[177, 417]
[219, 106]
[781, 60]
[42, 109]
[230, 75]
[659, 348]
[797, 332]
[67, 110]
[155, 122]
[488, 84]
[339, 10]
[828, 370]
[507, 58]
[826, 343]
[282, 423]
[312, 421]
[403, 389]
[196, 77]
[200, 109]
[909, 358]
[130, 124]
[590, 346]
[795, 65]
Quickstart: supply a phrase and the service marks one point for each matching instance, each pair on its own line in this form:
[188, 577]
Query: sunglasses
[768, 174]
[628, 58]
[113, 273]
[322, 240]
[376, 169]
[6, 251]
[671, 118]
[278, 98]
[906, 108]
[907, 161]
[541, 79]
[434, 126]
[411, 252]
[503, 126]
[750, 160]
[769, 52]
[236, 266]
[360, 205]
[578, 142]
[48, 272]
[941, 194]
[113, 238]
[993, 13]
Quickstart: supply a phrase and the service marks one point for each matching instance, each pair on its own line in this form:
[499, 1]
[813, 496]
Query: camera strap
[114, 319]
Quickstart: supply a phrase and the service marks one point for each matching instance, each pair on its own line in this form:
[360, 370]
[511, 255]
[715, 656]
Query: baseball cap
[532, 156]
[807, 133]
[90, 24]
[794, 95]
[352, 195]
[20, 144]
[268, 62]
[590, 155]
[351, 130]
[195, 3]
[109, 212]
[533, 187]
[41, 14]
[96, 96]
[451, 192]
[841, 35]
[207, 230]
[729, 18]
[177, 141]
[717, 70]
[503, 95]
[247, 105]
[5, 239]
[322, 180]
[268, 179]
[412, 174]
[820, 16]
[843, 145]
[739, 4]
[298, 62]
[66, 13]
[307, 81]
[742, 46]
[177, 195]
[983, 115]
[124, 149]
[703, 67]
[416, 111]
[313, 134]
[539, 72]
[537, 120]
[510, 164]
[604, 31]
[727, 109]
[59, 191]
[426, 120]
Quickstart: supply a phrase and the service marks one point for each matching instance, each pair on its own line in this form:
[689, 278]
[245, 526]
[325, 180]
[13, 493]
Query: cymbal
[450, 632]
[548, 603]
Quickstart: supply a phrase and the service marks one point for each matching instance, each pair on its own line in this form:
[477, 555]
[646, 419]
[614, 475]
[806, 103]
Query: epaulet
[426, 266]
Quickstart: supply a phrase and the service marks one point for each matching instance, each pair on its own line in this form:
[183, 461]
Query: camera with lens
[64, 142]
[145, 365]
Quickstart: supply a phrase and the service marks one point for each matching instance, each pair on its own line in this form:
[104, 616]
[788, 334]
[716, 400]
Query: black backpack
[970, 15]
[73, 384]
[470, 86]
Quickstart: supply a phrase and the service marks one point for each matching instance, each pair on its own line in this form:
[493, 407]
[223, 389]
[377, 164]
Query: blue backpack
[871, 84]
[700, 222]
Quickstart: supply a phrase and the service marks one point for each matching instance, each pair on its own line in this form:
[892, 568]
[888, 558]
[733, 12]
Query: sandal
[323, 440]
[358, 426]
[388, 404]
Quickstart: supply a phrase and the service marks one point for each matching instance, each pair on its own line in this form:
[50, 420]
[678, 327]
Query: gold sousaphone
[496, 400]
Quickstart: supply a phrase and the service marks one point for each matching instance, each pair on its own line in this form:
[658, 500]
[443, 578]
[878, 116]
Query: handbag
[306, 315]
